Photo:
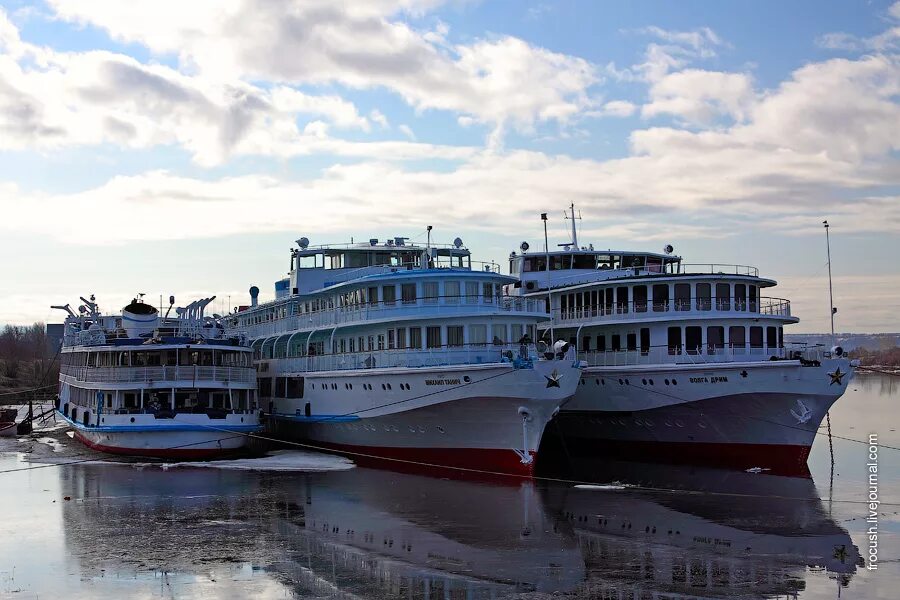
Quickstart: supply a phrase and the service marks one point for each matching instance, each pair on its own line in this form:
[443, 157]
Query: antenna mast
[574, 233]
[830, 290]
[547, 269]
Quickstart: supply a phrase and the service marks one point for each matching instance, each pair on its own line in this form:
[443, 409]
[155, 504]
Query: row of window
[204, 357]
[294, 387]
[662, 297]
[689, 339]
[429, 291]
[416, 338]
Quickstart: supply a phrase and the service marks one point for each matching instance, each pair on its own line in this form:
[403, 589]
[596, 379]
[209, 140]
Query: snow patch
[281, 460]
[53, 443]
[608, 486]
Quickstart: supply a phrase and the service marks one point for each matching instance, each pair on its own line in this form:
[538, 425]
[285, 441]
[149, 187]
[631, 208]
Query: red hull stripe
[780, 458]
[170, 453]
[477, 461]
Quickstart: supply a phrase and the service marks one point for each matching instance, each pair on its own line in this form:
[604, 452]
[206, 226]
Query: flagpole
[547, 269]
[830, 290]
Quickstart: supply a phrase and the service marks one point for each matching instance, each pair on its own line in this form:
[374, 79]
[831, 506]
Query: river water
[113, 530]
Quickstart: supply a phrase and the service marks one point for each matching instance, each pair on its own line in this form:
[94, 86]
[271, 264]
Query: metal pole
[830, 292]
[547, 269]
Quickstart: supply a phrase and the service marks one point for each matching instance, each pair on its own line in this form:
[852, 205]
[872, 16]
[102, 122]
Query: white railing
[195, 374]
[663, 355]
[439, 307]
[412, 358]
[706, 307]
[717, 269]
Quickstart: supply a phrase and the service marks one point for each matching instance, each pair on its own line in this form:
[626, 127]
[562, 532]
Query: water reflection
[703, 532]
[369, 533]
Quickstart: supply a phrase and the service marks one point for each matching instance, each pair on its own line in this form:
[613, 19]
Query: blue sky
[165, 147]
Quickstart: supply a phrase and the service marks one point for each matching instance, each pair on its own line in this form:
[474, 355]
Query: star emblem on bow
[836, 377]
[553, 379]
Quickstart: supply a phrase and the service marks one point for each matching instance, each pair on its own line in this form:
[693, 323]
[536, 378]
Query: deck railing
[702, 306]
[438, 307]
[661, 355]
[142, 375]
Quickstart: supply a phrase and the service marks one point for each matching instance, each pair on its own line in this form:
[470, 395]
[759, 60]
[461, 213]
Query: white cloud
[700, 97]
[894, 10]
[614, 108]
[355, 44]
[407, 131]
[377, 117]
[885, 41]
[680, 48]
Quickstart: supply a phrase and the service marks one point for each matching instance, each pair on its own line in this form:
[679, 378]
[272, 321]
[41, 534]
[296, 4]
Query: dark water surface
[138, 530]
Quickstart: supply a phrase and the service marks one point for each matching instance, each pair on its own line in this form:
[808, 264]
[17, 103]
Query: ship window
[280, 387]
[693, 339]
[371, 343]
[415, 337]
[390, 339]
[389, 295]
[737, 336]
[715, 338]
[601, 343]
[661, 297]
[478, 334]
[622, 300]
[645, 340]
[781, 337]
[352, 345]
[498, 334]
[451, 292]
[381, 341]
[607, 261]
[373, 295]
[401, 337]
[740, 296]
[430, 291]
[674, 340]
[433, 337]
[584, 261]
[756, 337]
[772, 337]
[265, 387]
[608, 294]
[586, 343]
[516, 333]
[559, 262]
[488, 289]
[471, 292]
[616, 342]
[408, 293]
[704, 296]
[754, 298]
[640, 298]
[631, 341]
[455, 335]
[682, 296]
[723, 296]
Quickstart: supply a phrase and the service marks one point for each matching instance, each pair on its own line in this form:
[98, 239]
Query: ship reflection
[690, 532]
[686, 532]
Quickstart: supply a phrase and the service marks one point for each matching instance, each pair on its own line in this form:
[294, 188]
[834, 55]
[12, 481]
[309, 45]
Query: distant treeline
[25, 357]
[886, 357]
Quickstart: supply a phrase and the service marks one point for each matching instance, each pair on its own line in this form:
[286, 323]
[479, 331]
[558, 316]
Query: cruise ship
[686, 362]
[392, 350]
[141, 384]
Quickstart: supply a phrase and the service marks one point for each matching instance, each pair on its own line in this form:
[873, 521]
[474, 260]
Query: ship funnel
[254, 296]
[139, 319]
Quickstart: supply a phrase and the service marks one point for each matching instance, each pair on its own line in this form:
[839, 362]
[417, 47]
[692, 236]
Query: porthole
[667, 382]
[383, 387]
[602, 382]
[597, 381]
[674, 382]
[621, 382]
[103, 419]
[132, 419]
[651, 382]
[389, 386]
[583, 382]
[350, 386]
[627, 382]
[643, 382]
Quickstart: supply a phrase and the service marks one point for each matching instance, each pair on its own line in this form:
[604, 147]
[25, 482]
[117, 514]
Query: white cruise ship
[163, 387]
[686, 362]
[399, 351]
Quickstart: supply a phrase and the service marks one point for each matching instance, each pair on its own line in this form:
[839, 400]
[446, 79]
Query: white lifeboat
[139, 319]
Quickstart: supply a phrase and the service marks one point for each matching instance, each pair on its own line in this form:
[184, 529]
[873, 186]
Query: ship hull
[175, 441]
[766, 415]
[487, 420]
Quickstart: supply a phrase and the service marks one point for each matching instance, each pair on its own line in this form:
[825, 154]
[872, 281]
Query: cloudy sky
[180, 147]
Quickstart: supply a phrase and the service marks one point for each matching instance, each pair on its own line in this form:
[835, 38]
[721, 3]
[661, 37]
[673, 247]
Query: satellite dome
[303, 243]
[524, 246]
[458, 242]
